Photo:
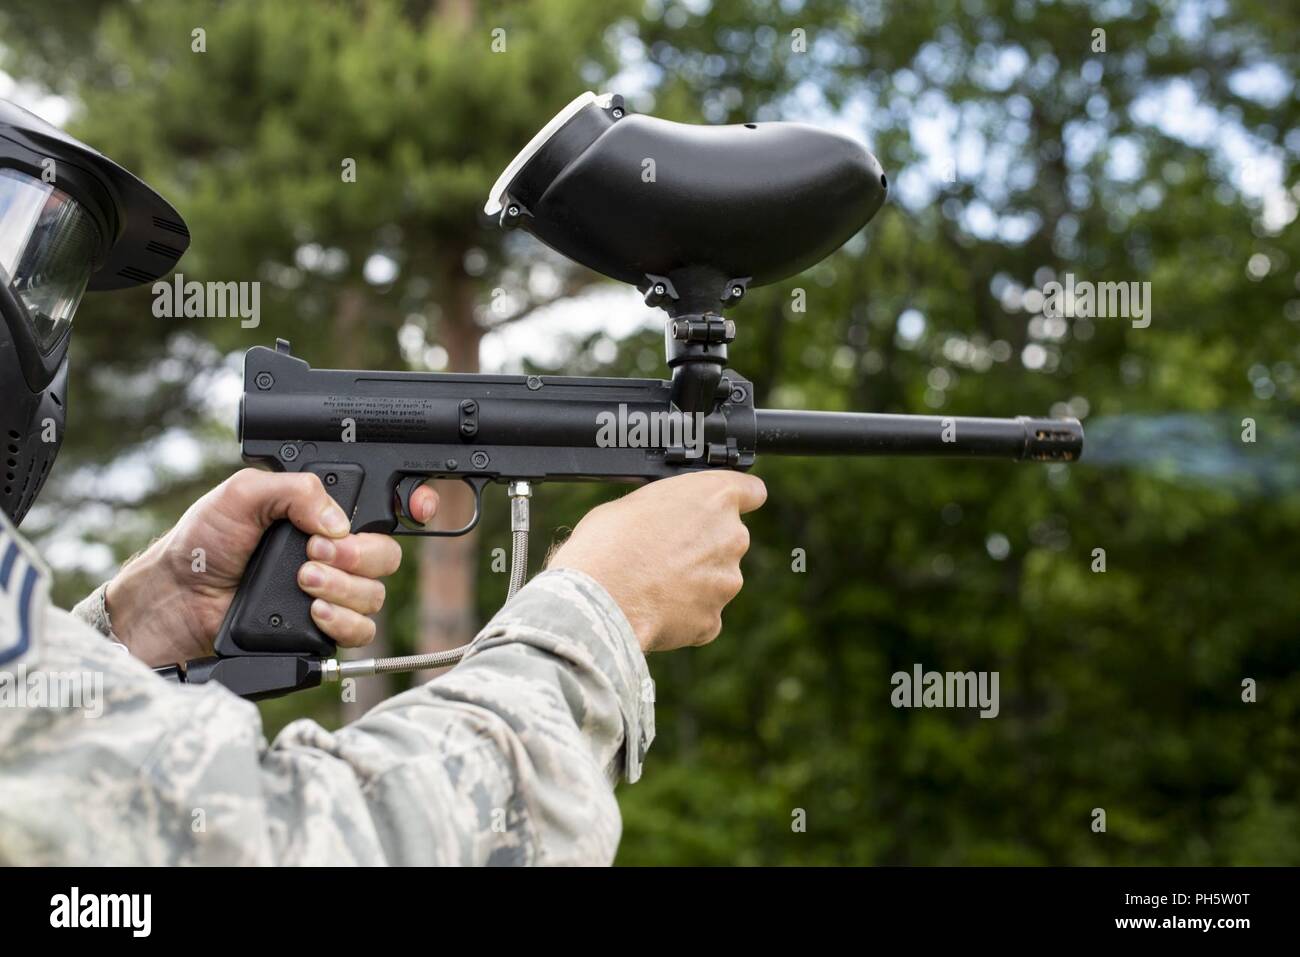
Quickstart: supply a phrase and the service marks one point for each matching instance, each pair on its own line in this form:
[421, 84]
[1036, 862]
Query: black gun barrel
[572, 421]
[788, 432]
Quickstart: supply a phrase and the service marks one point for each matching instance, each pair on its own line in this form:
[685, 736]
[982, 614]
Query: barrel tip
[1053, 440]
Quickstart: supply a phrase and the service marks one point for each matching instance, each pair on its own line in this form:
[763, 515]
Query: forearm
[512, 754]
[509, 758]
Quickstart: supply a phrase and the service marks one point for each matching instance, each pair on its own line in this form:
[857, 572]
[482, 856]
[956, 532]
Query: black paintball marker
[694, 216]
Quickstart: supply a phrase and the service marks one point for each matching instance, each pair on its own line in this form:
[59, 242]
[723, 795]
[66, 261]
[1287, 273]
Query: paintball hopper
[699, 212]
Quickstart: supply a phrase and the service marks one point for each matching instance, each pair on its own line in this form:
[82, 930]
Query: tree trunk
[350, 328]
[448, 565]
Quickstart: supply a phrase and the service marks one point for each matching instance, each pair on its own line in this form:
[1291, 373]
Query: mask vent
[12, 463]
[25, 457]
[136, 275]
[24, 475]
[171, 226]
[162, 249]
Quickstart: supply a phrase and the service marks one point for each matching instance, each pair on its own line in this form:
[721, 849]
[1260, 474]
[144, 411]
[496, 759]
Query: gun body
[374, 437]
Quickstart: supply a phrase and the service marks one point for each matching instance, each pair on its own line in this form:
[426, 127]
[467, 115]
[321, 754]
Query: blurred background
[1117, 141]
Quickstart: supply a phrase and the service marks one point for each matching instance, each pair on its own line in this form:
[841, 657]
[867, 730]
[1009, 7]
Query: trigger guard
[406, 525]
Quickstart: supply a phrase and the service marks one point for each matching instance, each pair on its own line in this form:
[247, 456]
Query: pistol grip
[270, 614]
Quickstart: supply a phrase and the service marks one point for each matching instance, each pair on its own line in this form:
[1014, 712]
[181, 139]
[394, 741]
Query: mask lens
[47, 250]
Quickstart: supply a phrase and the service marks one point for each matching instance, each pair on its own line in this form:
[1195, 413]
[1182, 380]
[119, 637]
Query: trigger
[405, 489]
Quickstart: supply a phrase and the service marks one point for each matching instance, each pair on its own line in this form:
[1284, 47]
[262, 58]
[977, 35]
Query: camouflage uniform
[510, 758]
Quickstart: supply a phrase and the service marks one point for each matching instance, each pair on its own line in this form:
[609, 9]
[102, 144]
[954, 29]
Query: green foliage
[1120, 689]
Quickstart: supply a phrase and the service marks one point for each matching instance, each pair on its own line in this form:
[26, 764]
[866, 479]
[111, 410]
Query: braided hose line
[440, 659]
[520, 493]
[518, 562]
[334, 670]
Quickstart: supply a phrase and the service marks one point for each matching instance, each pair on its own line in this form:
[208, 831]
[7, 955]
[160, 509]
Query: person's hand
[167, 604]
[669, 553]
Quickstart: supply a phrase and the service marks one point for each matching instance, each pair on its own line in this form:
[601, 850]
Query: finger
[299, 497]
[733, 581]
[366, 554]
[714, 629]
[364, 595]
[343, 624]
[740, 539]
[424, 503]
[749, 490]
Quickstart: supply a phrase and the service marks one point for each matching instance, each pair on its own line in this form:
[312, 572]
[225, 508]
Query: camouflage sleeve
[507, 759]
[93, 610]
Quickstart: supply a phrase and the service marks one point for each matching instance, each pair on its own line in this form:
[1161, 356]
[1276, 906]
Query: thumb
[300, 497]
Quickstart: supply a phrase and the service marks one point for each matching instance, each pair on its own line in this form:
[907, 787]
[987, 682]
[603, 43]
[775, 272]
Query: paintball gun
[729, 208]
